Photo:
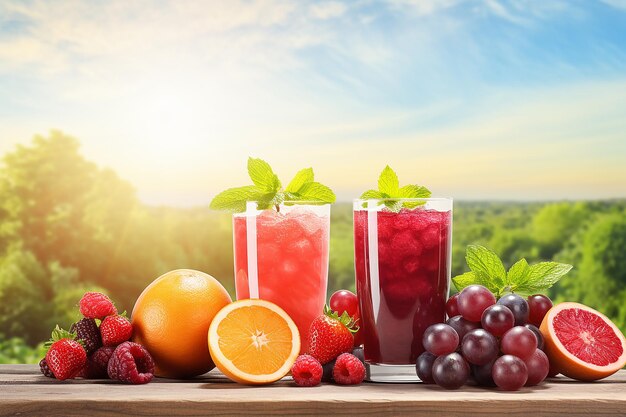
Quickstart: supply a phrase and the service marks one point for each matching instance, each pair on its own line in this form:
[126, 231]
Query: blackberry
[87, 331]
[45, 370]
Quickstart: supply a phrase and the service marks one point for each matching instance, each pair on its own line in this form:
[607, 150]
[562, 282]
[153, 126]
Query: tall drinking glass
[402, 262]
[282, 256]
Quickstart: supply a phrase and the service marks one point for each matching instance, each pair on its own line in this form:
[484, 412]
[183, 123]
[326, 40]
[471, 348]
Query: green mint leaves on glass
[267, 190]
[390, 190]
[487, 269]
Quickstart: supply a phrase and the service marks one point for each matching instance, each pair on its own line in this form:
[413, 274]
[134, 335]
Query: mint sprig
[487, 269]
[390, 190]
[267, 190]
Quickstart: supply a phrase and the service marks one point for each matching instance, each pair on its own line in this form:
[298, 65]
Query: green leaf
[371, 195]
[314, 191]
[388, 182]
[414, 191]
[484, 261]
[234, 199]
[517, 272]
[302, 177]
[262, 175]
[464, 280]
[540, 277]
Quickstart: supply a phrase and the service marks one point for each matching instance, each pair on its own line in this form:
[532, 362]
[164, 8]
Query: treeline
[68, 226]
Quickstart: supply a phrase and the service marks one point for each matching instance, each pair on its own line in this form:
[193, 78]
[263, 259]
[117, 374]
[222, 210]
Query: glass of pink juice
[402, 264]
[282, 257]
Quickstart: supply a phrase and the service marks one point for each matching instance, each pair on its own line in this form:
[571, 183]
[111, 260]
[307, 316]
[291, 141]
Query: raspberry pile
[346, 369]
[95, 351]
[494, 343]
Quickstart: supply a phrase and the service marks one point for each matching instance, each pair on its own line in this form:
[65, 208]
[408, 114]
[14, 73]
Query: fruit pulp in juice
[413, 281]
[292, 262]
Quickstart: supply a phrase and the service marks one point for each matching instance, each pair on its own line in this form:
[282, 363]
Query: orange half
[253, 341]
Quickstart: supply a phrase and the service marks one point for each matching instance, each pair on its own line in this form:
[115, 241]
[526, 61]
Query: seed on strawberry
[65, 358]
[330, 335]
[45, 369]
[348, 370]
[131, 363]
[115, 330]
[87, 331]
[306, 371]
[95, 305]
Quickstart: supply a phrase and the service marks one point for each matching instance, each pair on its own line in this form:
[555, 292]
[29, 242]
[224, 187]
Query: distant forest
[68, 226]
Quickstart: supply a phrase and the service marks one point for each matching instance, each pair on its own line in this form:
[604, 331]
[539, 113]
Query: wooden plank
[24, 391]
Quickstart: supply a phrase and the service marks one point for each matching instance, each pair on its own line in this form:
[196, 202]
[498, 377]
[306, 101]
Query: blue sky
[475, 99]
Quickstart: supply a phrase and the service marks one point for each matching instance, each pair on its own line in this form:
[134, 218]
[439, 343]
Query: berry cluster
[93, 351]
[495, 343]
[345, 369]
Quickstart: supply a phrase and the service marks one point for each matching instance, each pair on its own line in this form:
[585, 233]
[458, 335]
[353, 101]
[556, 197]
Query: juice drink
[402, 263]
[282, 257]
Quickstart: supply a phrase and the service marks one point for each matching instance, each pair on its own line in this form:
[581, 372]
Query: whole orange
[171, 318]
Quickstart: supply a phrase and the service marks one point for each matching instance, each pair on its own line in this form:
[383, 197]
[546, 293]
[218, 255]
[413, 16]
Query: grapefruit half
[582, 343]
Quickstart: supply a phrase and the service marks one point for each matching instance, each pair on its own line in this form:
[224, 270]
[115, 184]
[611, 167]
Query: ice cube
[405, 244]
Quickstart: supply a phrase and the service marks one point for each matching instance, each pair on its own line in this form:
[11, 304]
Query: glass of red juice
[402, 263]
[282, 256]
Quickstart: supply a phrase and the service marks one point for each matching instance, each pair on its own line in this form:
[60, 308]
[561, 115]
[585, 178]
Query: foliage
[67, 226]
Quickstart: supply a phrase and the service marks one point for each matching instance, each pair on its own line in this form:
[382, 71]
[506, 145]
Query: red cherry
[344, 300]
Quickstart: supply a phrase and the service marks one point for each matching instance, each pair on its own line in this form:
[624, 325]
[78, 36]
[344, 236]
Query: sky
[476, 99]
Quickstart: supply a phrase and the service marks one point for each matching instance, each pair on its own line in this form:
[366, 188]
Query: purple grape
[461, 325]
[497, 319]
[538, 306]
[537, 333]
[452, 308]
[479, 347]
[473, 300]
[450, 371]
[440, 339]
[482, 374]
[424, 367]
[538, 367]
[518, 305]
[519, 341]
[509, 373]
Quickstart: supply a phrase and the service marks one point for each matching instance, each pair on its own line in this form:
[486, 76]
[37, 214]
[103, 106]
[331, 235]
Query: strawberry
[331, 335]
[115, 330]
[65, 357]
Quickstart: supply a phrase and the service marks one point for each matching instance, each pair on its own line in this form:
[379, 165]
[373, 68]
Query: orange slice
[253, 341]
[582, 343]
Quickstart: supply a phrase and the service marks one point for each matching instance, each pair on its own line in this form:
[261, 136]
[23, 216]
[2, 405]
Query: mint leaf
[464, 280]
[390, 190]
[314, 191]
[302, 177]
[488, 264]
[388, 182]
[235, 199]
[262, 175]
[540, 277]
[517, 272]
[414, 191]
[371, 195]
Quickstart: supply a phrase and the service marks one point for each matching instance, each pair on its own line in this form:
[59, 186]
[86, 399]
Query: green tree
[600, 277]
[555, 223]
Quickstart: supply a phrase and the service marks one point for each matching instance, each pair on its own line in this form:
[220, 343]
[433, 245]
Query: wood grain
[24, 391]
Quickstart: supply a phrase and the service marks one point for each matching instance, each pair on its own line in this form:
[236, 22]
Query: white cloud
[327, 10]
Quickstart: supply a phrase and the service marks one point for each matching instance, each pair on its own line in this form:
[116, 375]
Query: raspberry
[307, 371]
[43, 367]
[348, 370]
[115, 330]
[95, 305]
[131, 363]
[98, 362]
[87, 330]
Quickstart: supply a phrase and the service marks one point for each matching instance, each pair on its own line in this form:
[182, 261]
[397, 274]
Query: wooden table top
[24, 391]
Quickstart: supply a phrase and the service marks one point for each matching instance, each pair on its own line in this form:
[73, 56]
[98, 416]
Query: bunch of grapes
[494, 343]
